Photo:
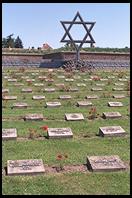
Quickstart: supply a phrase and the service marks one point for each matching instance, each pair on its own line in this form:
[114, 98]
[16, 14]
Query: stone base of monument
[25, 167]
[34, 117]
[60, 133]
[115, 104]
[105, 163]
[74, 116]
[84, 103]
[9, 134]
[53, 104]
[20, 105]
[111, 115]
[9, 97]
[110, 131]
[38, 97]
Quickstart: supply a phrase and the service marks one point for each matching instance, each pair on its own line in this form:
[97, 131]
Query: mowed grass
[85, 141]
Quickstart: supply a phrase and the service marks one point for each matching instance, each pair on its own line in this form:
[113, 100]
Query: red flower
[59, 157]
[45, 128]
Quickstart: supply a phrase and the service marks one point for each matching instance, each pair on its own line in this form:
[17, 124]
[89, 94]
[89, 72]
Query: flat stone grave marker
[92, 97]
[20, 105]
[18, 84]
[81, 85]
[24, 167]
[9, 134]
[38, 84]
[9, 97]
[103, 79]
[42, 77]
[84, 103]
[30, 80]
[33, 117]
[118, 96]
[53, 104]
[115, 104]
[111, 115]
[69, 80]
[111, 131]
[100, 84]
[74, 116]
[105, 163]
[118, 89]
[96, 89]
[111, 77]
[60, 133]
[86, 79]
[25, 77]
[60, 76]
[49, 89]
[119, 84]
[73, 89]
[49, 80]
[12, 80]
[127, 76]
[5, 90]
[34, 74]
[65, 97]
[77, 77]
[59, 84]
[38, 97]
[122, 79]
[6, 77]
[27, 90]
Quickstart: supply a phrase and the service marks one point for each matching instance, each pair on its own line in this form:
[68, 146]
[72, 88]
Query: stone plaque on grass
[74, 116]
[100, 84]
[18, 84]
[119, 84]
[84, 103]
[77, 77]
[105, 163]
[25, 167]
[5, 90]
[73, 89]
[42, 77]
[12, 80]
[33, 117]
[122, 79]
[111, 131]
[111, 115]
[115, 104]
[96, 89]
[81, 85]
[9, 97]
[38, 97]
[118, 96]
[30, 80]
[49, 80]
[53, 104]
[38, 84]
[49, 89]
[118, 89]
[69, 80]
[9, 134]
[92, 97]
[20, 105]
[27, 90]
[65, 97]
[60, 133]
[60, 76]
[25, 77]
[103, 79]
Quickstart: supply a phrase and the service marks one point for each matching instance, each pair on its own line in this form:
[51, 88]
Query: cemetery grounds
[31, 142]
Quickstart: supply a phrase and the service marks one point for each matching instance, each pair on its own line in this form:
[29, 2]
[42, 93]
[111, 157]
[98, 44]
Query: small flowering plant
[44, 128]
[93, 113]
[61, 159]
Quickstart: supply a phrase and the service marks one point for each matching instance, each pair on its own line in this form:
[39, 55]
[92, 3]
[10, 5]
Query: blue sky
[38, 23]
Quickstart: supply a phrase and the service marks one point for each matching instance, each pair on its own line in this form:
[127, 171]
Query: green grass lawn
[85, 141]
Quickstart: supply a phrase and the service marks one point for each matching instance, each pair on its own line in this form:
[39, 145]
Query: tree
[4, 43]
[18, 43]
[10, 41]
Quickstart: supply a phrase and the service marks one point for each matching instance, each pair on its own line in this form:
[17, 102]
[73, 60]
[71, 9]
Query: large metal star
[84, 40]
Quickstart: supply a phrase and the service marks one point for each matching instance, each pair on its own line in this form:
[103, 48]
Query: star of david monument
[70, 37]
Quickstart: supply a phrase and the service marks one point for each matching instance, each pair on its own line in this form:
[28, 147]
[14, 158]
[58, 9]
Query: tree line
[10, 42]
